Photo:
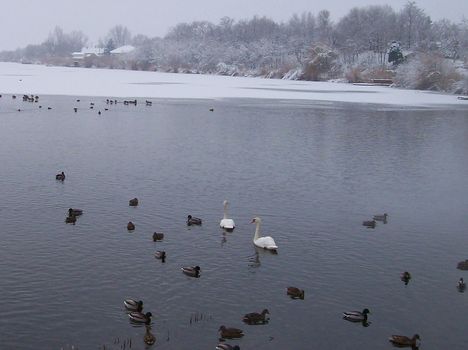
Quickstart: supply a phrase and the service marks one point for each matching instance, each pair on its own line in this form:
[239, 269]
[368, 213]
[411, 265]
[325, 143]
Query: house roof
[123, 49]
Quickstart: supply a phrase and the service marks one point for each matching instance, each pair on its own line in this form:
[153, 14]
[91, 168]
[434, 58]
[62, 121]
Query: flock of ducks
[266, 242]
[135, 308]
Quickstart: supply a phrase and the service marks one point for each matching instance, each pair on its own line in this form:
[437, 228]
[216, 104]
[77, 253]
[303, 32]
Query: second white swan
[227, 224]
[266, 242]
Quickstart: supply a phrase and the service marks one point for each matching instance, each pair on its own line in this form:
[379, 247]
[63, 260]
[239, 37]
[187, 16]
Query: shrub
[428, 72]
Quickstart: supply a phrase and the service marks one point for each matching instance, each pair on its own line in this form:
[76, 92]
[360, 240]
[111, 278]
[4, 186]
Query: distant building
[88, 52]
[122, 50]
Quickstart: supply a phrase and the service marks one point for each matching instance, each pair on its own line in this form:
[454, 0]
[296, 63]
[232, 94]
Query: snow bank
[34, 79]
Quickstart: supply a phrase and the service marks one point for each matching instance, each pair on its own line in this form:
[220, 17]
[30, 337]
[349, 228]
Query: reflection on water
[254, 261]
[313, 171]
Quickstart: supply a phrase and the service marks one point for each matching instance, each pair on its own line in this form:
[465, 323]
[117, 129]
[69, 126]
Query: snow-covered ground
[34, 79]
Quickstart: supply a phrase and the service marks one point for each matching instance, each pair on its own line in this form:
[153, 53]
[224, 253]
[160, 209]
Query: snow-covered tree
[120, 35]
[395, 55]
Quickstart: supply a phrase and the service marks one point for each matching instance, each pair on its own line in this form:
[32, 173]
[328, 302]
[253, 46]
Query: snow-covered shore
[35, 79]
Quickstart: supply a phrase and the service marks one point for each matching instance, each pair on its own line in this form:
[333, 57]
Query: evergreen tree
[395, 55]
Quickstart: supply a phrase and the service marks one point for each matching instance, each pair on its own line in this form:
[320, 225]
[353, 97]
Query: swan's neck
[225, 211]
[257, 231]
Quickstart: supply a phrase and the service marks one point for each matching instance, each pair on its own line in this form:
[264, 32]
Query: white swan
[227, 224]
[266, 242]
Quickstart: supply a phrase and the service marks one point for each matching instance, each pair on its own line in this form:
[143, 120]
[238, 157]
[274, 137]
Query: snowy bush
[428, 72]
[322, 64]
[461, 87]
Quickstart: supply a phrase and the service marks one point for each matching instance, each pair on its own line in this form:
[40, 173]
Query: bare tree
[120, 35]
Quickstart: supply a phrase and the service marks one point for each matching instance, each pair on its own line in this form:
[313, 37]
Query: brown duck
[295, 293]
[403, 341]
[256, 318]
[230, 332]
[158, 236]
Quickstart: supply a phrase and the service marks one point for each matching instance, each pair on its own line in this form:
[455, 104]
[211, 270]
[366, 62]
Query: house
[88, 52]
[123, 50]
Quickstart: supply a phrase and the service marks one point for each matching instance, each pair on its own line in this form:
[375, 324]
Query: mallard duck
[149, 338]
[133, 305]
[381, 217]
[403, 341]
[60, 176]
[295, 293]
[369, 224]
[75, 212]
[224, 346]
[405, 277]
[230, 332]
[70, 219]
[461, 285]
[463, 265]
[160, 254]
[130, 226]
[140, 317]
[158, 236]
[356, 316]
[192, 271]
[133, 202]
[191, 220]
[255, 317]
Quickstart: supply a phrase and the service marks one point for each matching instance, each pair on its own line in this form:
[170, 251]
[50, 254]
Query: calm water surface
[312, 171]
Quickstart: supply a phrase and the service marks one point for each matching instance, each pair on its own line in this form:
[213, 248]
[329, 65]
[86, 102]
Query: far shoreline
[20, 78]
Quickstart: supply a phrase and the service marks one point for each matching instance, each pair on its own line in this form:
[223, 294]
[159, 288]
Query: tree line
[308, 46]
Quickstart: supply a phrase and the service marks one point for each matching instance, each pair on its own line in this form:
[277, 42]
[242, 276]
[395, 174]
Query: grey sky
[25, 22]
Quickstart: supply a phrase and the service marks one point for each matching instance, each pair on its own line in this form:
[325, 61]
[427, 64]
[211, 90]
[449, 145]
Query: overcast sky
[25, 22]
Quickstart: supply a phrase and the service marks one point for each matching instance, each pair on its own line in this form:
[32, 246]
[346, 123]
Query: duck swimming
[461, 285]
[463, 265]
[75, 212]
[404, 341]
[405, 277]
[133, 305]
[295, 293]
[356, 316]
[133, 202]
[191, 220]
[230, 332]
[160, 254]
[130, 226]
[381, 217]
[140, 317]
[192, 271]
[369, 224]
[158, 236]
[256, 318]
[60, 176]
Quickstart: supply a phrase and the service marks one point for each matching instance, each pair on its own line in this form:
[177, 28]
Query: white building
[87, 52]
[123, 50]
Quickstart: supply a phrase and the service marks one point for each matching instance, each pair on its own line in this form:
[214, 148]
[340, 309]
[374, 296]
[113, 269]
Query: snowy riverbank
[35, 79]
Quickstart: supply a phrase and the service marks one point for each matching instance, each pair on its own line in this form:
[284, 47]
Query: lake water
[312, 171]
